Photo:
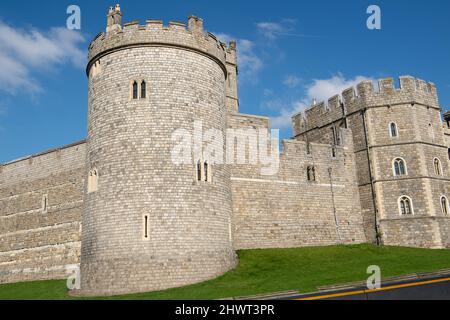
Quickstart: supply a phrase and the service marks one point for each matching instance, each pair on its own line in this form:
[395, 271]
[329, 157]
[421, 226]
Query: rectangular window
[44, 205]
[145, 227]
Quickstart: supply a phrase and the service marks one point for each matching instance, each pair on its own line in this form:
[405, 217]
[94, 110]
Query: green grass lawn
[266, 271]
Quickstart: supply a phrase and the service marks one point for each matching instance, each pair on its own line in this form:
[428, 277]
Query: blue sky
[290, 52]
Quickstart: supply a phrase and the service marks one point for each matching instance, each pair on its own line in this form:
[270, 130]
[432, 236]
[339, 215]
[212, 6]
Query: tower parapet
[190, 37]
[411, 90]
[365, 95]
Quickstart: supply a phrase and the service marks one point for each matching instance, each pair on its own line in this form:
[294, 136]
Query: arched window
[437, 167]
[206, 171]
[199, 170]
[203, 171]
[444, 205]
[399, 167]
[405, 206]
[135, 90]
[93, 181]
[143, 89]
[311, 173]
[393, 130]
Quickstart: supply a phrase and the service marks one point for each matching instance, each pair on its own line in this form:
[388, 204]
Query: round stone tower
[150, 223]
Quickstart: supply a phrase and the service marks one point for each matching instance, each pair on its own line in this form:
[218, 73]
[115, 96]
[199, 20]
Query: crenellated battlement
[190, 36]
[367, 94]
[409, 90]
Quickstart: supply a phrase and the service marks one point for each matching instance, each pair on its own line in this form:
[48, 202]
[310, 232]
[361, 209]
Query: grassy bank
[265, 271]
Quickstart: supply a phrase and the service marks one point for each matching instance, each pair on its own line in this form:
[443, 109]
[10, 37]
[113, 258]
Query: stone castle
[371, 166]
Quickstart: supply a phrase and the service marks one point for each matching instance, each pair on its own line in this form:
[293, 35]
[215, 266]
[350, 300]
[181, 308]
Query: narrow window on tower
[135, 90]
[311, 174]
[206, 171]
[393, 130]
[145, 227]
[437, 167]
[199, 170]
[45, 203]
[444, 205]
[203, 171]
[143, 89]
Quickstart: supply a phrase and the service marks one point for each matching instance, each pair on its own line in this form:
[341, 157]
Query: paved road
[430, 289]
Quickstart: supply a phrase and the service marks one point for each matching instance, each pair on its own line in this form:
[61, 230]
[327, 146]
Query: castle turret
[150, 223]
[114, 19]
[232, 87]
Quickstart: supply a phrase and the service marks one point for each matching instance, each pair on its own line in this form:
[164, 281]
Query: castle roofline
[417, 89]
[191, 36]
[74, 144]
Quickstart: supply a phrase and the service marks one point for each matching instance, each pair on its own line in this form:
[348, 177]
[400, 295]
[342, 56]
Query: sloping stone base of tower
[421, 232]
[123, 276]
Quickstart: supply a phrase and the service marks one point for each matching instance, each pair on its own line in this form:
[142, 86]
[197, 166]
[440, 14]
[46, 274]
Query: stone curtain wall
[286, 210]
[36, 243]
[193, 227]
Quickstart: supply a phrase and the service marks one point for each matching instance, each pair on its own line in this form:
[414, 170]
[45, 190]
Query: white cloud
[322, 90]
[286, 27]
[319, 89]
[249, 52]
[271, 29]
[224, 37]
[291, 81]
[23, 52]
[248, 61]
[14, 74]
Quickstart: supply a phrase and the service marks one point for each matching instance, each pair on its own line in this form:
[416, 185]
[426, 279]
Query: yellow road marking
[399, 286]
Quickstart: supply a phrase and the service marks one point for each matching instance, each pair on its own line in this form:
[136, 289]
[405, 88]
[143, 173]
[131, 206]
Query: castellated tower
[402, 157]
[148, 223]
